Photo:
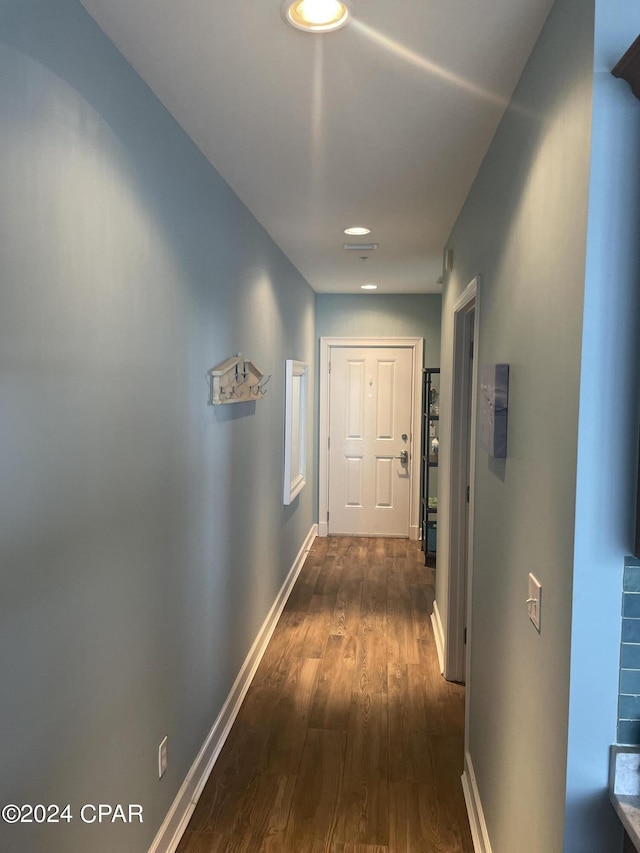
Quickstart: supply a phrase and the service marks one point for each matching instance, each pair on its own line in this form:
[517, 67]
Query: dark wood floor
[349, 740]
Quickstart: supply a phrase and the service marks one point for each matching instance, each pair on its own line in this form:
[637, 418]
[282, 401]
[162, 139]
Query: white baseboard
[175, 823]
[438, 633]
[479, 834]
[323, 531]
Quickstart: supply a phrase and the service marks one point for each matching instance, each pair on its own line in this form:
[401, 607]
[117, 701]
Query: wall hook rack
[236, 380]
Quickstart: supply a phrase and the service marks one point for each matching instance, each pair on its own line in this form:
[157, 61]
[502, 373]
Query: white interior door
[370, 410]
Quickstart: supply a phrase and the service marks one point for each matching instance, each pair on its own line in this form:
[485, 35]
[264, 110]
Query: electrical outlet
[534, 601]
[162, 758]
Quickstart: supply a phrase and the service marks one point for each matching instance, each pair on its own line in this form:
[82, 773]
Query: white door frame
[417, 346]
[457, 653]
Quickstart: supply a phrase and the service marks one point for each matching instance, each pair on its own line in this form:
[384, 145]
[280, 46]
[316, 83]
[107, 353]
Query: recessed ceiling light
[316, 16]
[368, 287]
[357, 231]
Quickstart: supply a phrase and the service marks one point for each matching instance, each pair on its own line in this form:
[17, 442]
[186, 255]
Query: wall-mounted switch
[162, 758]
[534, 601]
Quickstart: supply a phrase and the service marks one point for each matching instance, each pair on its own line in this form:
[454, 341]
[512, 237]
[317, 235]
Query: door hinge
[329, 443]
[468, 494]
[465, 636]
[471, 350]
[329, 367]
[327, 516]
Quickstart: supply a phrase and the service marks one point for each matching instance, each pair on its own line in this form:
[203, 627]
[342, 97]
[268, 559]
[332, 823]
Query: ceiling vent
[360, 247]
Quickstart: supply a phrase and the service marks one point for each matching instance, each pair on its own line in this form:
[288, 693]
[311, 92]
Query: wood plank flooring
[349, 740]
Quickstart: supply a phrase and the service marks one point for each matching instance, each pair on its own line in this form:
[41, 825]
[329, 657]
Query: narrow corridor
[349, 740]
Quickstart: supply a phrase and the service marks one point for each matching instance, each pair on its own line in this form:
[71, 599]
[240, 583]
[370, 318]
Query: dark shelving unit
[429, 460]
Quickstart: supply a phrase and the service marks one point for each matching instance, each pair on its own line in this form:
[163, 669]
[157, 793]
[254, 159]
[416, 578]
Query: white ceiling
[383, 123]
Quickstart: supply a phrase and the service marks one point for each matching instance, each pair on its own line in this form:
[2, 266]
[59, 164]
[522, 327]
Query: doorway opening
[462, 475]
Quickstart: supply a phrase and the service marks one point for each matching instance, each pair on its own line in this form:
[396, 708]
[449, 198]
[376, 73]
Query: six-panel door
[369, 413]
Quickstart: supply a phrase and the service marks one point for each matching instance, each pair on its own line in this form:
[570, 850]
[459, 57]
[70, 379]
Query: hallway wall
[382, 315]
[609, 410]
[142, 533]
[523, 229]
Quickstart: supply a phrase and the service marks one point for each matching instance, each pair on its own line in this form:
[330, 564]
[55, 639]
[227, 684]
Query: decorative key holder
[236, 380]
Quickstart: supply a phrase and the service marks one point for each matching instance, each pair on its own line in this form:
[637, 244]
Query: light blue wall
[608, 432]
[142, 533]
[551, 225]
[382, 315]
[523, 228]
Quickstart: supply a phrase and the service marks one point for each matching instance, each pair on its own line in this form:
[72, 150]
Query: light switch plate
[534, 601]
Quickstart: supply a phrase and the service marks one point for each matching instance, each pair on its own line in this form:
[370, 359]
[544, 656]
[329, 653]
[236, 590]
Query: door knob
[404, 457]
